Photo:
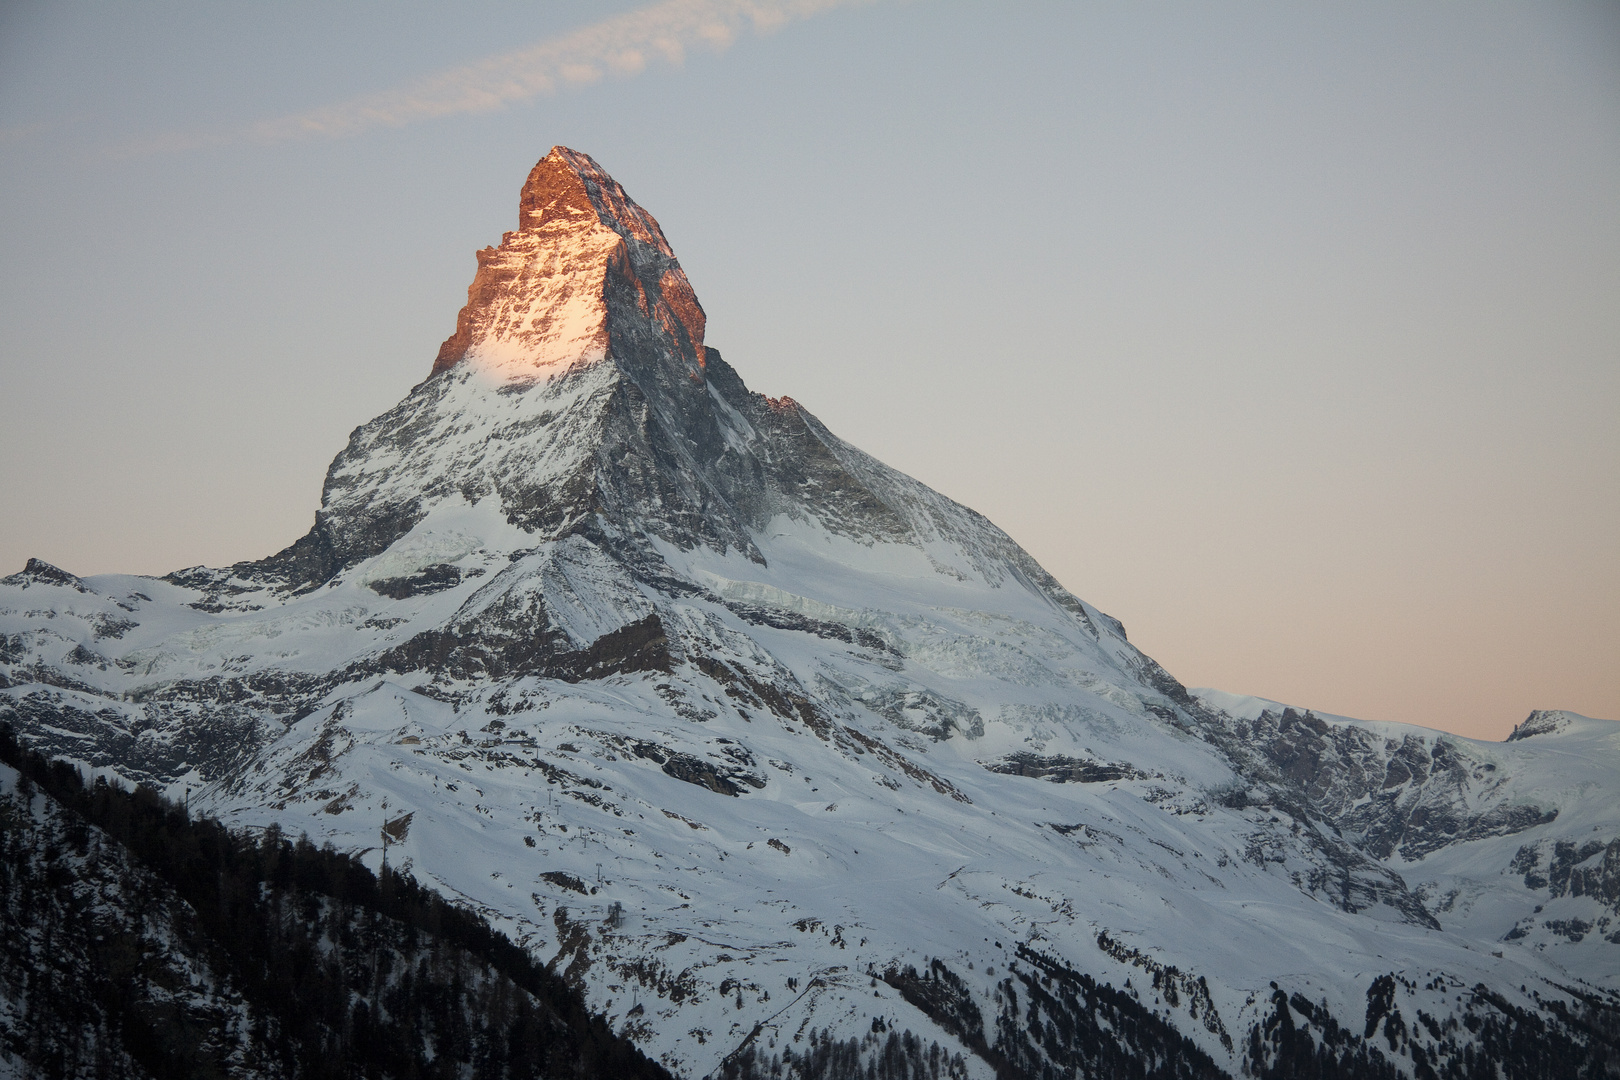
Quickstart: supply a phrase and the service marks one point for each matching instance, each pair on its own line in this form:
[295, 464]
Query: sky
[1289, 334]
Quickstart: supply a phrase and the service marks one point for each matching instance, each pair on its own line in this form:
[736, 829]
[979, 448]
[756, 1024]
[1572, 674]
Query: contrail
[622, 45]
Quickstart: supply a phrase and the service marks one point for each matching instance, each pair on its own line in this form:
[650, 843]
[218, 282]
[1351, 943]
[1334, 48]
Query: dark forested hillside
[140, 942]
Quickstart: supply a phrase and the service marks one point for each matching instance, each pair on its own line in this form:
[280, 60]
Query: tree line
[341, 973]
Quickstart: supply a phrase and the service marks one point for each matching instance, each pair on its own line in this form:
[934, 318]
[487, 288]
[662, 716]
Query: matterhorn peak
[566, 185]
[577, 398]
[585, 266]
[583, 601]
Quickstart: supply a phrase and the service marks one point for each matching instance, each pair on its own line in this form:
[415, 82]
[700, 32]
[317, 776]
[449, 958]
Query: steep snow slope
[738, 725]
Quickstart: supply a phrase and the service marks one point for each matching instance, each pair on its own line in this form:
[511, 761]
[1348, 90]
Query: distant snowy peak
[1540, 722]
[1549, 722]
[1409, 791]
[585, 261]
[40, 572]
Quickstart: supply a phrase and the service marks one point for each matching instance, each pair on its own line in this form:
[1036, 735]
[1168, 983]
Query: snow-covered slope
[753, 735]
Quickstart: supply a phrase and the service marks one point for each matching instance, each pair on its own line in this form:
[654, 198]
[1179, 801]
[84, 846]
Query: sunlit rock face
[584, 263]
[752, 736]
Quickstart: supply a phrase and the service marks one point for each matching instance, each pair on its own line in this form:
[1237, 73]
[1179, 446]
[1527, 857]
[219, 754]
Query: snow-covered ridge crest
[540, 301]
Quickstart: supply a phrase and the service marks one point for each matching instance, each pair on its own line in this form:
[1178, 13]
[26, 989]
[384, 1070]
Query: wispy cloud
[20, 132]
[623, 45]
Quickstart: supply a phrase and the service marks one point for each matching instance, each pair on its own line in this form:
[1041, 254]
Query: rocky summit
[790, 763]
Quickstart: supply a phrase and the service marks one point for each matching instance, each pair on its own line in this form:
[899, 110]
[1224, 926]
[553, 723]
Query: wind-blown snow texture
[737, 725]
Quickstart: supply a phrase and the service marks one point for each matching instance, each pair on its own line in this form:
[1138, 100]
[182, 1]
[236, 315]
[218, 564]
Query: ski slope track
[751, 735]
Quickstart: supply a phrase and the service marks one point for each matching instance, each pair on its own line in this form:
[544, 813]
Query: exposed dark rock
[640, 646]
[40, 572]
[163, 740]
[782, 619]
[1573, 869]
[1058, 769]
[789, 702]
[111, 626]
[1539, 722]
[1410, 797]
[695, 770]
[722, 777]
[430, 579]
[565, 880]
[513, 639]
[923, 711]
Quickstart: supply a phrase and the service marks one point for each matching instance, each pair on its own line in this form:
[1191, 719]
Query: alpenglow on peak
[586, 264]
[698, 701]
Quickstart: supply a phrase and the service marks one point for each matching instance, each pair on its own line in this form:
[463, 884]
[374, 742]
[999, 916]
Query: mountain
[789, 762]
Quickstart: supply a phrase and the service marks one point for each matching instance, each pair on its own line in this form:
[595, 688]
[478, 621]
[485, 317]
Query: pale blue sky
[1289, 334]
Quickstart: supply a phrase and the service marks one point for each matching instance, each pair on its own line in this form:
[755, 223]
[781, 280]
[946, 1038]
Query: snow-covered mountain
[760, 741]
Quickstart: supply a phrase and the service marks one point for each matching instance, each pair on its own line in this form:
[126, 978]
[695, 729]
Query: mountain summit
[586, 274]
[577, 395]
[794, 765]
